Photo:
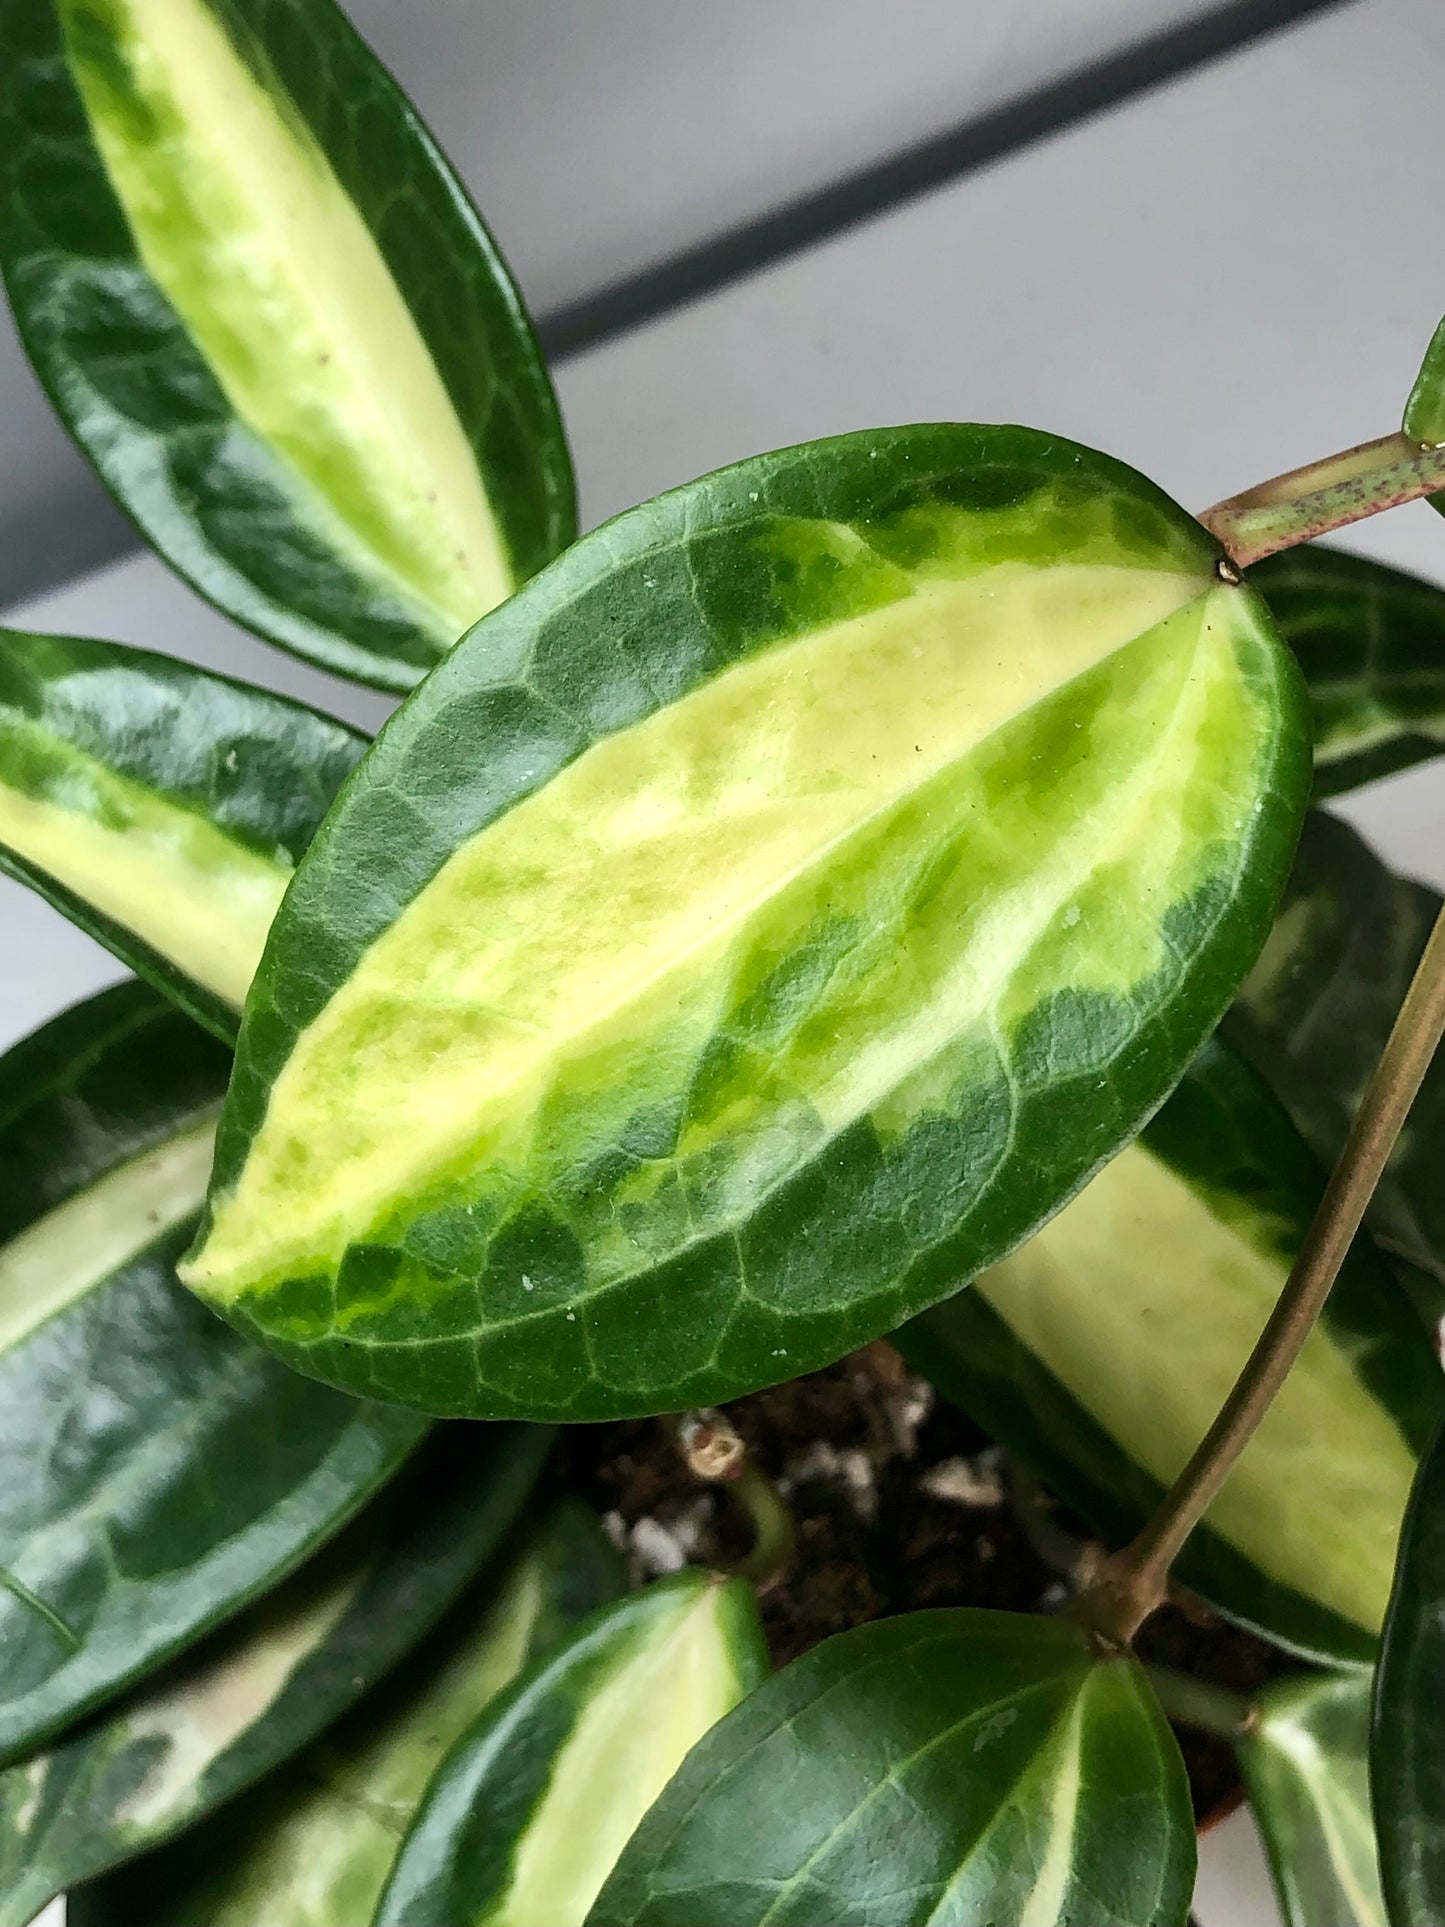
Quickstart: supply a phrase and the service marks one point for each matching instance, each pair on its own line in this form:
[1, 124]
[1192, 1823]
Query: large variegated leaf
[1314, 1015]
[266, 1684]
[1371, 642]
[160, 1471]
[314, 1845]
[264, 306]
[528, 1813]
[762, 922]
[1306, 1768]
[160, 808]
[1100, 1352]
[1407, 1742]
[970, 1768]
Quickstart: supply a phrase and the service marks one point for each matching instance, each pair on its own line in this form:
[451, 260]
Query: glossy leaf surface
[1408, 1737]
[160, 808]
[163, 1471]
[528, 1813]
[264, 306]
[1424, 416]
[1371, 642]
[1306, 1770]
[759, 924]
[258, 1690]
[1100, 1352]
[943, 1769]
[313, 1846]
[1315, 1012]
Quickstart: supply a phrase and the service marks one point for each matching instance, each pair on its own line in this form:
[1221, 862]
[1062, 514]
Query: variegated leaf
[265, 307]
[971, 1768]
[1100, 1352]
[160, 808]
[314, 1845]
[528, 1813]
[765, 920]
[1371, 642]
[258, 1690]
[163, 1471]
[1306, 1768]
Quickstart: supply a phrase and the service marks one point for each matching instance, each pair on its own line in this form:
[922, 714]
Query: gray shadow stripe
[888, 184]
[49, 544]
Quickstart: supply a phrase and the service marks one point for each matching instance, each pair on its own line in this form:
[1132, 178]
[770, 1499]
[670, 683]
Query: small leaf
[1371, 643]
[762, 922]
[1409, 1716]
[1315, 1012]
[258, 1690]
[528, 1812]
[160, 808]
[961, 1767]
[172, 1471]
[1100, 1352]
[262, 303]
[1306, 1770]
[1424, 418]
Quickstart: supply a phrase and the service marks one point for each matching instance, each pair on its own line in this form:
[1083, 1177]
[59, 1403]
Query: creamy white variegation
[86, 1240]
[208, 1707]
[240, 218]
[200, 898]
[1337, 1791]
[1044, 1904]
[327, 1855]
[573, 958]
[669, 1689]
[1099, 1297]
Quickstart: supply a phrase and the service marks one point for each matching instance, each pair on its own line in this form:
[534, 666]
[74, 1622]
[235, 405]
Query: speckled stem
[1325, 495]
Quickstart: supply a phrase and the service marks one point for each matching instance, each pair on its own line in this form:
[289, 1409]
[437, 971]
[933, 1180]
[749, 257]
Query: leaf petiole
[1325, 495]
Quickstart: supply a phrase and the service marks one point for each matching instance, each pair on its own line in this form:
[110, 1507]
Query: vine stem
[1132, 1584]
[1325, 495]
[713, 1451]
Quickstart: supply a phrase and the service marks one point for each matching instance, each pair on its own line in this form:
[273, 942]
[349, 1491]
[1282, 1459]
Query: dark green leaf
[313, 1846]
[1306, 1769]
[162, 1471]
[1408, 1739]
[1371, 643]
[964, 1769]
[1100, 1352]
[265, 1685]
[1314, 1015]
[529, 1811]
[760, 923]
[160, 808]
[264, 306]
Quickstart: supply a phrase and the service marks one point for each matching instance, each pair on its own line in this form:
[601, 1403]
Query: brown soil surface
[899, 1502]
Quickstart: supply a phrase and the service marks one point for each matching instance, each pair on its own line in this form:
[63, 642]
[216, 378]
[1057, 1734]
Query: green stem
[772, 1551]
[1326, 495]
[1133, 1583]
[1200, 1704]
[713, 1451]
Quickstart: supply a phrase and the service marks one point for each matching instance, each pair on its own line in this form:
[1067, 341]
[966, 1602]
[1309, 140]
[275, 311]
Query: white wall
[603, 136]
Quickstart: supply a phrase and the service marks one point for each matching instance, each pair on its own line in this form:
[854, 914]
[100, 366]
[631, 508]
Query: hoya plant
[703, 1287]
